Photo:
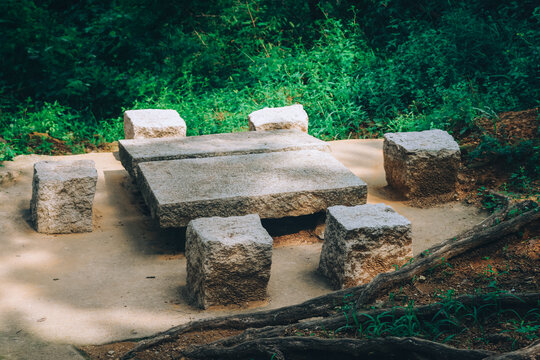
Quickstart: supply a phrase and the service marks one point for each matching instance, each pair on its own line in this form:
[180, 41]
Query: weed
[490, 201]
[453, 318]
[443, 265]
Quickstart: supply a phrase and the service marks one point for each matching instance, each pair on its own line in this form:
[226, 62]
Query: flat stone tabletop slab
[273, 185]
[134, 151]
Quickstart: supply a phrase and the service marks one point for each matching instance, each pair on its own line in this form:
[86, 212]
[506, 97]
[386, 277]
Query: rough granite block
[273, 185]
[62, 196]
[153, 123]
[228, 260]
[135, 151]
[363, 241]
[421, 164]
[286, 117]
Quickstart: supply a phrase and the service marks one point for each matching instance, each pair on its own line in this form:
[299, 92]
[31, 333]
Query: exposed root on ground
[296, 347]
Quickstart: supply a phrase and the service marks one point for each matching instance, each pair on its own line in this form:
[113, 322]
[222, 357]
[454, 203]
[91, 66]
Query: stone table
[133, 152]
[273, 185]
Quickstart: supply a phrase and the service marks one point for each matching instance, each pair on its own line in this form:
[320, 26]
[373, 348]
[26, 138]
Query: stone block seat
[422, 164]
[363, 241]
[286, 117]
[135, 151]
[228, 260]
[63, 195]
[153, 123]
[273, 185]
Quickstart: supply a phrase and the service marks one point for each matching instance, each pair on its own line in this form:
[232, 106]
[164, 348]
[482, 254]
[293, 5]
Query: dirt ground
[126, 278]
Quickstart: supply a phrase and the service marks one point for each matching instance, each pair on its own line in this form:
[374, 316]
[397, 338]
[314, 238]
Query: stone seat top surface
[286, 113]
[65, 170]
[135, 151]
[367, 216]
[232, 230]
[155, 118]
[428, 141]
[180, 181]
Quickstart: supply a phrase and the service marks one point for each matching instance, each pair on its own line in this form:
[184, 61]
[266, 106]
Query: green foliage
[523, 158]
[51, 120]
[69, 70]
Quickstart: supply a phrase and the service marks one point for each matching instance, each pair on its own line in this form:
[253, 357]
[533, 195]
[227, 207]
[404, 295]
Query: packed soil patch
[506, 266]
[164, 351]
[510, 127]
[508, 130]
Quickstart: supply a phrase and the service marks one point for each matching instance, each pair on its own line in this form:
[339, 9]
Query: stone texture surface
[133, 152]
[62, 196]
[363, 241]
[228, 260]
[273, 185]
[153, 123]
[421, 164]
[286, 117]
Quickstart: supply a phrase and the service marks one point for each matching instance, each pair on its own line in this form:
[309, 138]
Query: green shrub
[71, 69]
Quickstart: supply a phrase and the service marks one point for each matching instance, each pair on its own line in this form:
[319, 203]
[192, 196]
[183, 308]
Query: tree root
[525, 301]
[531, 352]
[296, 347]
[510, 220]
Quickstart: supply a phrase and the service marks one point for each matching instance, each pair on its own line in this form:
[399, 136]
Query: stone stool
[62, 196]
[287, 117]
[228, 260]
[362, 241]
[422, 164]
[152, 123]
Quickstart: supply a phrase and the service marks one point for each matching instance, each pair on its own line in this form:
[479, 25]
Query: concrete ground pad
[126, 278]
[133, 152]
[273, 185]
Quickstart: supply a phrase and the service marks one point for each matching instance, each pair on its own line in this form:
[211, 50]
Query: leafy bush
[71, 69]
